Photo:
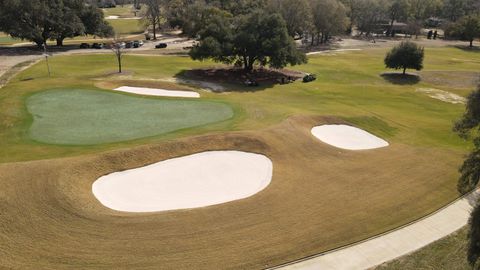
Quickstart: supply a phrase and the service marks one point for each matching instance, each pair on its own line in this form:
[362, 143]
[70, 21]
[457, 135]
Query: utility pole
[46, 58]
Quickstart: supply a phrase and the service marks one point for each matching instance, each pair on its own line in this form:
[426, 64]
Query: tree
[470, 171]
[468, 28]
[246, 40]
[406, 55]
[118, 49]
[153, 15]
[370, 14]
[329, 18]
[296, 13]
[40, 20]
[397, 10]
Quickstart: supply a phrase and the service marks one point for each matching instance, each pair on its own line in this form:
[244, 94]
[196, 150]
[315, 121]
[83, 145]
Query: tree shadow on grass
[234, 79]
[467, 48]
[401, 79]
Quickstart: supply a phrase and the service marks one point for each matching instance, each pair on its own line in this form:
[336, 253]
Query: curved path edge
[392, 244]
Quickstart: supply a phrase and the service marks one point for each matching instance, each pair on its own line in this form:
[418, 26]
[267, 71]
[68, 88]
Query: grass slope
[85, 117]
[320, 197]
[449, 253]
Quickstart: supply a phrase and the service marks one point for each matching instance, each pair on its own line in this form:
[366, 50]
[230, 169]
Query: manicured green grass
[122, 11]
[85, 117]
[127, 26]
[449, 253]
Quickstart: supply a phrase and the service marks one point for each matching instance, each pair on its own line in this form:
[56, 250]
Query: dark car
[129, 44]
[137, 43]
[84, 46]
[97, 46]
[309, 78]
[161, 46]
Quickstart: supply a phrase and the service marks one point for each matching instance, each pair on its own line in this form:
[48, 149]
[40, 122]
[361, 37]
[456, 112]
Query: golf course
[59, 134]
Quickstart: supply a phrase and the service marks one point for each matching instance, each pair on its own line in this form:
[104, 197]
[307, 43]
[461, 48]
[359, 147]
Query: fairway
[55, 146]
[83, 117]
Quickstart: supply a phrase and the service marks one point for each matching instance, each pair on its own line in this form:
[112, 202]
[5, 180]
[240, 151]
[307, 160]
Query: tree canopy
[467, 126]
[404, 56]
[246, 40]
[40, 20]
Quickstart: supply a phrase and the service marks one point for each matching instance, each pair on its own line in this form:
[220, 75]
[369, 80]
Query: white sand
[157, 92]
[348, 137]
[112, 17]
[443, 95]
[198, 180]
[332, 51]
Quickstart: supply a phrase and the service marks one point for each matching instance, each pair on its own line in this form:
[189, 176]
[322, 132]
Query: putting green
[87, 117]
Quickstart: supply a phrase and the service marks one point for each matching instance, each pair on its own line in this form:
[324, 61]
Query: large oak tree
[246, 40]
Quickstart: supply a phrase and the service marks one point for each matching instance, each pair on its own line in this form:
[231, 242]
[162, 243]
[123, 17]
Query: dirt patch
[442, 95]
[237, 76]
[455, 79]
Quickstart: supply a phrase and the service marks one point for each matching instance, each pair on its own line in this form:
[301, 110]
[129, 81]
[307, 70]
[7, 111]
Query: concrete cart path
[391, 245]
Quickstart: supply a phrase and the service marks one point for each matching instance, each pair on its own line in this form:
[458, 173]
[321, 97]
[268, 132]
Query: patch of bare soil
[443, 95]
[455, 79]
[264, 77]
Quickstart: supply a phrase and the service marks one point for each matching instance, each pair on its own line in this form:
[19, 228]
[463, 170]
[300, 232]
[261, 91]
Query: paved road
[394, 244]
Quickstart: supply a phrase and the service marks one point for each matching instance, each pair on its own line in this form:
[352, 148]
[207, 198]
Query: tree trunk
[404, 70]
[154, 31]
[390, 30]
[471, 43]
[119, 64]
[59, 42]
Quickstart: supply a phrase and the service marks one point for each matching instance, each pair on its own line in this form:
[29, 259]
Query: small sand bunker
[158, 92]
[332, 51]
[443, 95]
[348, 137]
[198, 180]
[112, 17]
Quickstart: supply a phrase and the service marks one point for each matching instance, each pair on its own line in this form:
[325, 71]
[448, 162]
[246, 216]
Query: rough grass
[86, 117]
[320, 197]
[449, 253]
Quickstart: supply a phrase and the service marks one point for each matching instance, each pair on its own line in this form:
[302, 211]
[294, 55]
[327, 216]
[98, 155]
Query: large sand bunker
[348, 137]
[198, 180]
[157, 92]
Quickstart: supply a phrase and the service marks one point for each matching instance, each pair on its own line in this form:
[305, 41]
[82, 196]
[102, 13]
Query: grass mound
[87, 117]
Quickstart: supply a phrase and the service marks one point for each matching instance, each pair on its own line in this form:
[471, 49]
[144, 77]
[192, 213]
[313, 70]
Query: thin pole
[46, 58]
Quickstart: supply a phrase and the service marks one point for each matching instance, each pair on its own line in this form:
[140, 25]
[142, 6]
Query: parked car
[309, 78]
[137, 43]
[161, 46]
[129, 44]
[84, 46]
[97, 46]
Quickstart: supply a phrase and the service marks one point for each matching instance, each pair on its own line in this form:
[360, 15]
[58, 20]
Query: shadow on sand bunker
[88, 117]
